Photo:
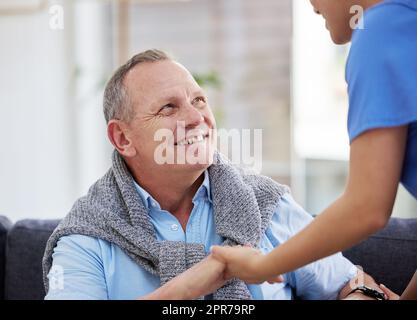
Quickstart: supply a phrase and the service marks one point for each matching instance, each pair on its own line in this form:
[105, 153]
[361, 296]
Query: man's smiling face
[164, 96]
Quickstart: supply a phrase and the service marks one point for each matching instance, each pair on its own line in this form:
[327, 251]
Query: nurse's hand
[390, 294]
[245, 263]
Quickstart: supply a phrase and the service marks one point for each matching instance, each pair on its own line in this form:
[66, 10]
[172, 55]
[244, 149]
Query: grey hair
[116, 103]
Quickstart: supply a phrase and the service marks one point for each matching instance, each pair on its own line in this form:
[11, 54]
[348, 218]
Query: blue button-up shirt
[92, 268]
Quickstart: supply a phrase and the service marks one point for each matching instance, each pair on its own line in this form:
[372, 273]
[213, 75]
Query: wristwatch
[369, 292]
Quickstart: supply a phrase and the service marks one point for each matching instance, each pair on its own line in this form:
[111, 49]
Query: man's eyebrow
[163, 100]
[198, 93]
[173, 97]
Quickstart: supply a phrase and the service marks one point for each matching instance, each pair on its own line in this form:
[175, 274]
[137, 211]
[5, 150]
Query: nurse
[381, 73]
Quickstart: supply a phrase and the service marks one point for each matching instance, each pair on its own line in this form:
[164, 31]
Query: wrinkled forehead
[149, 82]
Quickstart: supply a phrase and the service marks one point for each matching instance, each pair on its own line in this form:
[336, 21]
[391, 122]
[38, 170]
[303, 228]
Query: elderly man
[144, 230]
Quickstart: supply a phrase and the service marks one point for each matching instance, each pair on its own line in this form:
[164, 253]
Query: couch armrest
[26, 243]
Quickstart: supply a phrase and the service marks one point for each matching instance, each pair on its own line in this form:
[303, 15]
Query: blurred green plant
[212, 80]
[209, 79]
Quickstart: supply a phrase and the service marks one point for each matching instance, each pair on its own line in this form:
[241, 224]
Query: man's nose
[192, 116]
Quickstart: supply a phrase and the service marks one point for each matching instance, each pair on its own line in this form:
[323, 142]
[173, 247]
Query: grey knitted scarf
[113, 211]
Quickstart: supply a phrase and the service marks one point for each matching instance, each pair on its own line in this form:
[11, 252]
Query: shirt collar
[202, 192]
[147, 199]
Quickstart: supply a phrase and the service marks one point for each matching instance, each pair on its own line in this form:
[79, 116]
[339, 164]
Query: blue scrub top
[382, 77]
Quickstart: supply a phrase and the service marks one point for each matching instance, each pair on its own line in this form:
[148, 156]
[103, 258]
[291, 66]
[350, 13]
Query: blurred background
[265, 64]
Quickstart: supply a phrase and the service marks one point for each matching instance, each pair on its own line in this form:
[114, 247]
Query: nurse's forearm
[339, 227]
[376, 159]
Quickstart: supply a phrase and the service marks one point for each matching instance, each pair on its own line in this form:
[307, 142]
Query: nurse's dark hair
[116, 103]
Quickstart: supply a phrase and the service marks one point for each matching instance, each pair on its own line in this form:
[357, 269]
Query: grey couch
[389, 256]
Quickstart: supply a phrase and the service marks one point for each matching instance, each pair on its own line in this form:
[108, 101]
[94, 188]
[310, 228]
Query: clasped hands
[222, 264]
[213, 272]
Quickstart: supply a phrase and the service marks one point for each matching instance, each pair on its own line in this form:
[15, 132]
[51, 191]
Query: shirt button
[174, 227]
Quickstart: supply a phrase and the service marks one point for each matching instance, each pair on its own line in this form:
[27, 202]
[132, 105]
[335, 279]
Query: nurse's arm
[376, 160]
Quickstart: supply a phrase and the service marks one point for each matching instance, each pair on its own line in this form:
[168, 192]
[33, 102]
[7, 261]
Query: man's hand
[357, 296]
[363, 279]
[201, 279]
[243, 262]
[389, 295]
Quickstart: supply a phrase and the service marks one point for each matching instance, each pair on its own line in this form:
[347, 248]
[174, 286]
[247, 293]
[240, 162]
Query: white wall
[320, 93]
[52, 139]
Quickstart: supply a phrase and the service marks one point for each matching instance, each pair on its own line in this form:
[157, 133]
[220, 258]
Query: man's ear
[117, 132]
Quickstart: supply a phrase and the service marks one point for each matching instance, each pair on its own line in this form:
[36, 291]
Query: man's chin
[198, 163]
[189, 167]
[195, 157]
[186, 160]
[198, 166]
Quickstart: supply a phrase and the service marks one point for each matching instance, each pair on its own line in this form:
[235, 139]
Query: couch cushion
[25, 247]
[5, 225]
[390, 256]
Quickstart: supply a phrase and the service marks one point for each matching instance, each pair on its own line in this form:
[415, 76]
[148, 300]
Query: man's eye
[199, 100]
[167, 108]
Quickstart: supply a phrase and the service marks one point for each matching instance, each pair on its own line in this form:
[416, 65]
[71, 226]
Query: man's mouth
[192, 140]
